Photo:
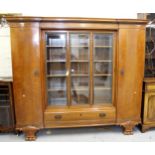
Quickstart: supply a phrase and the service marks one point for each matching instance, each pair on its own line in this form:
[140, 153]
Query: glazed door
[103, 73]
[56, 69]
[79, 70]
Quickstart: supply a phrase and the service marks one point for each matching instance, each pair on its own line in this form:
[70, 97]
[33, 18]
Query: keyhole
[122, 72]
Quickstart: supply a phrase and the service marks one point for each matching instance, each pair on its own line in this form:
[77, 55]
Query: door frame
[43, 64]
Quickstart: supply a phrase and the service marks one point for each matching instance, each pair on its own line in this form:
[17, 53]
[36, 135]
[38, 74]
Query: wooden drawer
[84, 115]
[68, 116]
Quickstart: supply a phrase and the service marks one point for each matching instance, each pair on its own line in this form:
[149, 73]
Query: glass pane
[102, 96]
[102, 86]
[80, 53]
[57, 97]
[102, 68]
[4, 96]
[56, 40]
[102, 81]
[103, 53]
[78, 40]
[56, 68]
[79, 90]
[5, 117]
[79, 67]
[5, 112]
[150, 53]
[103, 50]
[79, 82]
[57, 83]
[56, 54]
[103, 40]
[80, 97]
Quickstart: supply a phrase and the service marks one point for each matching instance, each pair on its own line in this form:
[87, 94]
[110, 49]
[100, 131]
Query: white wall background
[5, 54]
[78, 8]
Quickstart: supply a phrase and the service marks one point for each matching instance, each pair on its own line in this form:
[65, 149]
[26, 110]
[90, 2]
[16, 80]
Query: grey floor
[89, 134]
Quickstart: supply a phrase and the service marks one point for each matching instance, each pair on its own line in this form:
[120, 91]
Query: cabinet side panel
[26, 75]
[130, 73]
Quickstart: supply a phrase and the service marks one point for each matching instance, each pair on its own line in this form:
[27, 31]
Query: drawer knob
[102, 115]
[58, 117]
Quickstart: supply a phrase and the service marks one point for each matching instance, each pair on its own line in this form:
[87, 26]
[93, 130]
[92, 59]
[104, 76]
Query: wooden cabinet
[7, 121]
[74, 72]
[148, 111]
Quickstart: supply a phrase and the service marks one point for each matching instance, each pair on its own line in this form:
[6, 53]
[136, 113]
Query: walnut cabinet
[76, 72]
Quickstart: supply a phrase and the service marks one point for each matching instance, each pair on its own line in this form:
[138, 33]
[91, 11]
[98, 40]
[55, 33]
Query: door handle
[102, 114]
[122, 72]
[58, 117]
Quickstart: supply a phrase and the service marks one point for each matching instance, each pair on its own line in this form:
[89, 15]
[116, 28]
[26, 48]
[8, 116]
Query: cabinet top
[74, 19]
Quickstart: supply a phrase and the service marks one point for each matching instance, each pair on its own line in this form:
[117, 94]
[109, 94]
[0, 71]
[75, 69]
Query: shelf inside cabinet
[80, 75]
[103, 61]
[58, 89]
[102, 88]
[53, 61]
[4, 100]
[4, 94]
[80, 88]
[56, 75]
[148, 57]
[4, 89]
[48, 46]
[102, 74]
[149, 68]
[102, 46]
[4, 106]
[79, 46]
[96, 88]
[79, 61]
